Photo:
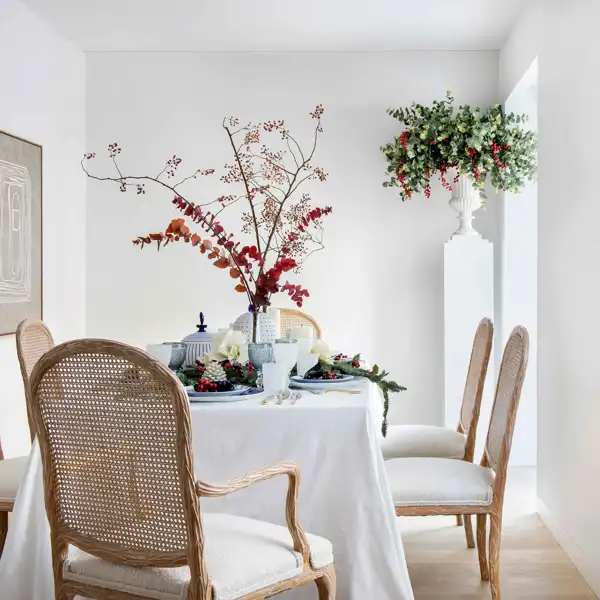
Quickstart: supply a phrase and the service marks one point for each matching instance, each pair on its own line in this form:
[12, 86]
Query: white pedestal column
[468, 297]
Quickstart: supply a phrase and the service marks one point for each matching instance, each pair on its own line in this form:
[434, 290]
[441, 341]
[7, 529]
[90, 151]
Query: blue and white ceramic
[340, 379]
[238, 390]
[197, 344]
[222, 396]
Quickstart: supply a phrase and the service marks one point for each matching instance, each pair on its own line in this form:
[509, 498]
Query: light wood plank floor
[533, 565]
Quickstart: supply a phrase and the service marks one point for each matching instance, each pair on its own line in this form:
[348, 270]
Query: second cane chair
[290, 317]
[134, 529]
[405, 441]
[33, 341]
[441, 486]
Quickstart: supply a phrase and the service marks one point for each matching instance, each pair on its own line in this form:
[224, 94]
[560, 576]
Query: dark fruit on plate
[224, 386]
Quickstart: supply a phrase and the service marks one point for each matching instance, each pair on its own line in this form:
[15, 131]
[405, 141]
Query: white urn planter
[465, 201]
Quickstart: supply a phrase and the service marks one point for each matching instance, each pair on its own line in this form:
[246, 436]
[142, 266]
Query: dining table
[344, 492]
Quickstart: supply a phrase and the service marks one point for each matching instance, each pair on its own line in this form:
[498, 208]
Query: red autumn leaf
[234, 273]
[222, 263]
[207, 244]
[156, 236]
[240, 288]
[195, 239]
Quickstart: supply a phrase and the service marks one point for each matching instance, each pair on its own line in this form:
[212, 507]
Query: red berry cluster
[329, 375]
[172, 165]
[204, 385]
[340, 356]
[89, 155]
[356, 364]
[113, 150]
[318, 112]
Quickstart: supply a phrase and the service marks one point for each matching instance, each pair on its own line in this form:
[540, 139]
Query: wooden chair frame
[33, 340]
[490, 569]
[6, 506]
[300, 316]
[200, 584]
[486, 329]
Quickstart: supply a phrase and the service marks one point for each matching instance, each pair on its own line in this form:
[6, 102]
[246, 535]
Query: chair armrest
[210, 490]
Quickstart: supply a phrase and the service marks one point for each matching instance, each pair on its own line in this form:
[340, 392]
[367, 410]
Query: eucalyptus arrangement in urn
[478, 144]
[282, 226]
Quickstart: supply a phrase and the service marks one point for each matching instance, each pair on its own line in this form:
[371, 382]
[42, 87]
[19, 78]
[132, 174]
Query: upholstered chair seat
[403, 441]
[439, 482]
[242, 555]
[11, 473]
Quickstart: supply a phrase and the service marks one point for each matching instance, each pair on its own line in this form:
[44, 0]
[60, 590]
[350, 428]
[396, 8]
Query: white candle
[301, 331]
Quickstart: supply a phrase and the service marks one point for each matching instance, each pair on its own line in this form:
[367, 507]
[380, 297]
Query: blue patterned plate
[340, 379]
[239, 393]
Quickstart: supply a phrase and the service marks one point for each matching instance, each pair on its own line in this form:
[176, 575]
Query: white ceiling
[282, 25]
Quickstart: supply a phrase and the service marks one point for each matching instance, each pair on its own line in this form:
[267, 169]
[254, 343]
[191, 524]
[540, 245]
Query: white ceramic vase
[465, 201]
[266, 327]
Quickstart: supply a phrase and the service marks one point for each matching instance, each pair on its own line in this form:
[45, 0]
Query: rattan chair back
[476, 374]
[33, 341]
[114, 431]
[506, 402]
[290, 317]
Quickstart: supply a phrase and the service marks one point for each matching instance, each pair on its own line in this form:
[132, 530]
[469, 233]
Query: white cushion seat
[404, 441]
[242, 555]
[439, 482]
[12, 471]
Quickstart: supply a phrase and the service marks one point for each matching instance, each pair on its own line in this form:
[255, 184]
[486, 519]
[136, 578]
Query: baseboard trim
[584, 564]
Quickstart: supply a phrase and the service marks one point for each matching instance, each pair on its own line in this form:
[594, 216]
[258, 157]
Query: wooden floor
[533, 565]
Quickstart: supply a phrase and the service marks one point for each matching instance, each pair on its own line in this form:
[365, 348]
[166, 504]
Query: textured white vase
[465, 200]
[266, 327]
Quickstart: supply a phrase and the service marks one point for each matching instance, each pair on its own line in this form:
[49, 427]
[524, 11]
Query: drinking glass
[285, 352]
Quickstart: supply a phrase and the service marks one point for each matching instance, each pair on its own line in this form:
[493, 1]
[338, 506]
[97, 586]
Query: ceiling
[281, 25]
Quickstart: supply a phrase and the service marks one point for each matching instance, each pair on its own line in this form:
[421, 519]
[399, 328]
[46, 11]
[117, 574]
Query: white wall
[43, 99]
[569, 254]
[378, 287]
[519, 248]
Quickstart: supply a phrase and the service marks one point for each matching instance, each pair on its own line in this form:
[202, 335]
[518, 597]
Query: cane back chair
[403, 441]
[33, 341]
[439, 486]
[290, 317]
[114, 431]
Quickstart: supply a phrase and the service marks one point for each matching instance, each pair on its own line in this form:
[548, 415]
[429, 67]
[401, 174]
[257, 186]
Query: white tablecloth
[344, 493]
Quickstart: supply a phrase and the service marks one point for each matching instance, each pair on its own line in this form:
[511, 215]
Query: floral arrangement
[283, 226]
[468, 141]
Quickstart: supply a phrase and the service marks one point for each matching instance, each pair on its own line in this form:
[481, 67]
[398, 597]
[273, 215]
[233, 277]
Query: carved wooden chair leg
[495, 533]
[482, 547]
[469, 531]
[459, 520]
[326, 584]
[3, 529]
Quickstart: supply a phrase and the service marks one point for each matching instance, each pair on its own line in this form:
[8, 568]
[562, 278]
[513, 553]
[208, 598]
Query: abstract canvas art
[20, 232]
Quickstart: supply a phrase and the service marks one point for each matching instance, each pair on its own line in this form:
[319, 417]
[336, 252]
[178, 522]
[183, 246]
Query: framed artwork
[20, 231]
